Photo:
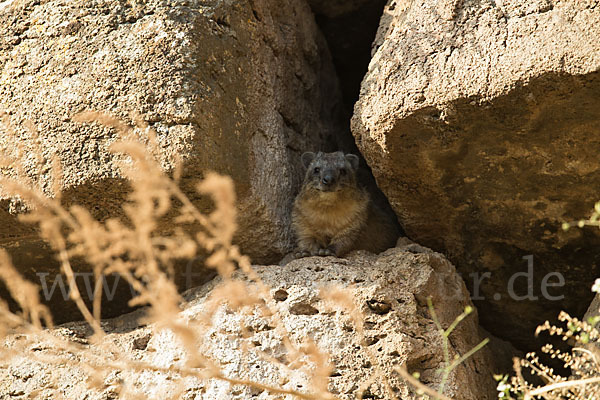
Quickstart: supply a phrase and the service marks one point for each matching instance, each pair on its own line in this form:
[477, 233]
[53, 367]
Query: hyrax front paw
[302, 254]
[315, 252]
[326, 252]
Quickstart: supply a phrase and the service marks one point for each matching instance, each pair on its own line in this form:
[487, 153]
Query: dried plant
[450, 363]
[582, 359]
[136, 248]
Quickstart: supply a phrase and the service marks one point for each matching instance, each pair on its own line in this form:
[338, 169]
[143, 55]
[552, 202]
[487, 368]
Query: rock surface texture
[480, 121]
[238, 87]
[390, 291]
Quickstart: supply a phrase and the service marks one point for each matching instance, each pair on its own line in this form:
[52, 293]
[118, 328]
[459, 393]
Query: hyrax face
[329, 172]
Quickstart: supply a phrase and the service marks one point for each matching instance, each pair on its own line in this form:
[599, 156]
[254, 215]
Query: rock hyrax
[333, 215]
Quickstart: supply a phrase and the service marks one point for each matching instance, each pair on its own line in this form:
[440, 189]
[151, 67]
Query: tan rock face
[241, 88]
[390, 290]
[480, 123]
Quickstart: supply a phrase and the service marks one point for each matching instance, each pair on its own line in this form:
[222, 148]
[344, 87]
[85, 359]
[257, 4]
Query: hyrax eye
[317, 170]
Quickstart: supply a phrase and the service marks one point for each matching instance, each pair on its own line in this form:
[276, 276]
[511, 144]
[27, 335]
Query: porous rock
[237, 87]
[480, 121]
[390, 290]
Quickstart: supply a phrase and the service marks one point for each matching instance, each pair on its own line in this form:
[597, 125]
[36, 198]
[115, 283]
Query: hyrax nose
[327, 179]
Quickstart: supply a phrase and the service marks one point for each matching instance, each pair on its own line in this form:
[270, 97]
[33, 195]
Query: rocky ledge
[384, 324]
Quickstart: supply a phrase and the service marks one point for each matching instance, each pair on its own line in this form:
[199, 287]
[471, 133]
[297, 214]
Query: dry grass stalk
[135, 248]
[581, 360]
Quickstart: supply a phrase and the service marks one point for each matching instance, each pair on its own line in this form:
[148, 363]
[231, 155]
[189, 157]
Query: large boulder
[480, 121]
[389, 291]
[239, 87]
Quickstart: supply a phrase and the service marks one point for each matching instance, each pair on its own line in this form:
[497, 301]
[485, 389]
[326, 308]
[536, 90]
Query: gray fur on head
[353, 160]
[330, 171]
[307, 158]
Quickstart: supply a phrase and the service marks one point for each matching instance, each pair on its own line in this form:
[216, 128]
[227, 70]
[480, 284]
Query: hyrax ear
[307, 158]
[353, 160]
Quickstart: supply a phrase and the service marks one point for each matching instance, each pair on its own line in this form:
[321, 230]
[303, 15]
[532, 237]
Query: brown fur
[341, 219]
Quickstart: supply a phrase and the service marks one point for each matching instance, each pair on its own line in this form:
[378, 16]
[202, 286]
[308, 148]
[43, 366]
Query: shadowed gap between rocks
[349, 29]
